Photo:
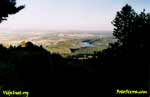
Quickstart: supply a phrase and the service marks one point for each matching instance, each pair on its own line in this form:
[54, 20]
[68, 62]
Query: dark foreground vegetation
[124, 63]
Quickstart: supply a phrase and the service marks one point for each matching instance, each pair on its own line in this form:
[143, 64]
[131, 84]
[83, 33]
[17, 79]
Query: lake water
[86, 44]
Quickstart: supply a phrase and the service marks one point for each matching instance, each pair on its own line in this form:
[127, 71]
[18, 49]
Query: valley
[64, 43]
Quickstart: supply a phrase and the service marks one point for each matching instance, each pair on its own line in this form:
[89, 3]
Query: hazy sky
[69, 14]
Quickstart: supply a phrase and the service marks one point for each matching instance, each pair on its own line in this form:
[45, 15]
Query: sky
[69, 14]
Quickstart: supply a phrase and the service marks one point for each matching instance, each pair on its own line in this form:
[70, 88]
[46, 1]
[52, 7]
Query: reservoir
[86, 44]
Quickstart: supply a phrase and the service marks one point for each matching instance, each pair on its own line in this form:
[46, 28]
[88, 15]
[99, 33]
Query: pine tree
[124, 23]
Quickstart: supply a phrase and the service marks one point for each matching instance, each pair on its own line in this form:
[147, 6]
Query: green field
[73, 47]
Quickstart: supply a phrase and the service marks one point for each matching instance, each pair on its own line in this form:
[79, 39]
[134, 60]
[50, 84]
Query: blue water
[86, 44]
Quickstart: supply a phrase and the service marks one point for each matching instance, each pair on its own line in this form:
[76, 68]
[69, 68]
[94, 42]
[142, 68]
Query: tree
[8, 7]
[124, 23]
[131, 30]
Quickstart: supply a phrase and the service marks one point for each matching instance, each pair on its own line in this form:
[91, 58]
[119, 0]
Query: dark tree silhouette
[8, 7]
[124, 24]
[128, 56]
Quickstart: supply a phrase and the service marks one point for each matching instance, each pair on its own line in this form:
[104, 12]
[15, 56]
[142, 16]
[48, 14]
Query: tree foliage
[131, 29]
[8, 7]
[129, 55]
